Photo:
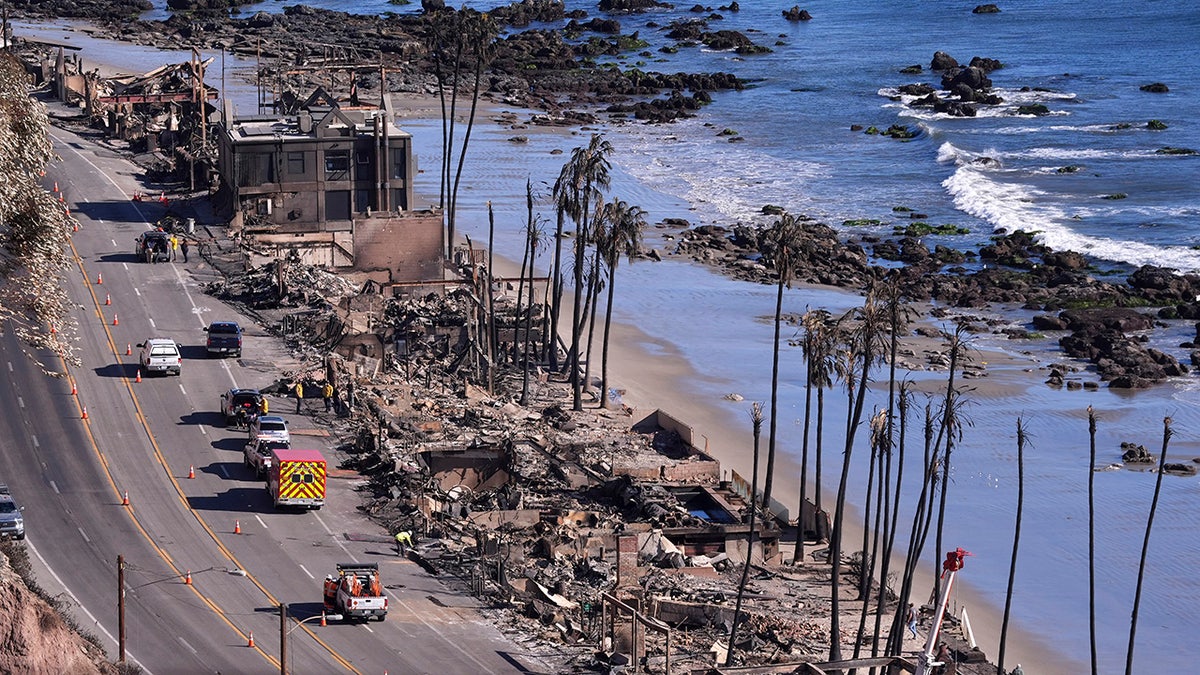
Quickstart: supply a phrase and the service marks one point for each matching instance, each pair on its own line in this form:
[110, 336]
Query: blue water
[1085, 61]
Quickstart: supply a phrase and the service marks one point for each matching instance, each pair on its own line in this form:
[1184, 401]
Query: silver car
[12, 524]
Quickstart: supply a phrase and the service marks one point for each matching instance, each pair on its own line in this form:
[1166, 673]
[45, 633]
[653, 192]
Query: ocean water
[1085, 61]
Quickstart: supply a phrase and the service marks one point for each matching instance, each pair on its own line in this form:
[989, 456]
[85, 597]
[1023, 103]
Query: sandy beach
[652, 371]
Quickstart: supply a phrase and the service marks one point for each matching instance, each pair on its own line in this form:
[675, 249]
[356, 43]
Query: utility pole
[283, 631]
[121, 608]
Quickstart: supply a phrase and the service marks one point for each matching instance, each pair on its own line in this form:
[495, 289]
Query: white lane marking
[310, 574]
[183, 390]
[114, 241]
[126, 266]
[20, 401]
[35, 441]
[54, 486]
[203, 430]
[260, 522]
[185, 644]
[85, 537]
[95, 622]
[368, 628]
[10, 366]
[153, 325]
[337, 540]
[197, 310]
[221, 468]
[109, 178]
[137, 291]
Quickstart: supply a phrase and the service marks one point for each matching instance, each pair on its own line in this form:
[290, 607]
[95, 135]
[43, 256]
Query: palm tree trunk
[612, 282]
[530, 224]
[1137, 595]
[577, 322]
[946, 430]
[798, 553]
[756, 420]
[555, 295]
[769, 480]
[1012, 566]
[1092, 536]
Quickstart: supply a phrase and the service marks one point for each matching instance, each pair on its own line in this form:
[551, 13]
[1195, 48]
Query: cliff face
[34, 636]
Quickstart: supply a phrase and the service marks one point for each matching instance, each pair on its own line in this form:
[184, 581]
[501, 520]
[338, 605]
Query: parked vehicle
[270, 427]
[258, 455]
[12, 523]
[239, 407]
[356, 592]
[224, 337]
[297, 478]
[153, 246]
[160, 355]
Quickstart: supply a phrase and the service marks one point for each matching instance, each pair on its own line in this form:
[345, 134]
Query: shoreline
[651, 377]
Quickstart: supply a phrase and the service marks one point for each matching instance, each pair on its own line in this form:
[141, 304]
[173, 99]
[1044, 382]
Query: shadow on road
[193, 352]
[130, 257]
[203, 418]
[244, 499]
[235, 444]
[116, 211]
[126, 370]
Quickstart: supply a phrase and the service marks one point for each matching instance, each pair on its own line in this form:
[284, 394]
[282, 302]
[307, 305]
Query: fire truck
[356, 592]
[297, 478]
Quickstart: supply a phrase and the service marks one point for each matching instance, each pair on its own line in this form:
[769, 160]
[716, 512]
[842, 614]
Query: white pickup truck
[356, 593]
[160, 355]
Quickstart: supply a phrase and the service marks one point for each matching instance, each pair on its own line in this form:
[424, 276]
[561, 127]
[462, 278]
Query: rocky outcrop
[986, 9]
[35, 636]
[797, 14]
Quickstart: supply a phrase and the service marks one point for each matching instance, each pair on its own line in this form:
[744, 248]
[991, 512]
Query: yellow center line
[178, 491]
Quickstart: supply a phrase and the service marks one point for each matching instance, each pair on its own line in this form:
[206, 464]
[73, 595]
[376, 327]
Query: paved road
[142, 437]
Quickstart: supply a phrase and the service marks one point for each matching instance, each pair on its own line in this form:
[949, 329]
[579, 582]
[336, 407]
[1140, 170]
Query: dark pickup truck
[224, 337]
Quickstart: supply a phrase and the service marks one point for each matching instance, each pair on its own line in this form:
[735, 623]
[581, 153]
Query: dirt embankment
[35, 636]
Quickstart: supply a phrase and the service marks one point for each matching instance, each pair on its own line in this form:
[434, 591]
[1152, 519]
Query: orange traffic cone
[187, 581]
[323, 619]
[116, 322]
[61, 200]
[53, 330]
[191, 472]
[107, 298]
[74, 391]
[250, 642]
[237, 527]
[128, 349]
[139, 376]
[99, 278]
[56, 186]
[84, 416]
[75, 227]
[125, 499]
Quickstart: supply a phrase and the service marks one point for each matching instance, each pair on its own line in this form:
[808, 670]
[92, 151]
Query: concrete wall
[409, 244]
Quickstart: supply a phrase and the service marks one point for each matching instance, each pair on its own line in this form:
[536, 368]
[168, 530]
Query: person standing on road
[174, 247]
[183, 248]
[327, 395]
[299, 396]
[911, 620]
[403, 541]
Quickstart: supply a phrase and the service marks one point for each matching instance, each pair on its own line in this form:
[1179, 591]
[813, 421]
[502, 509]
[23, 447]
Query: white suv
[160, 355]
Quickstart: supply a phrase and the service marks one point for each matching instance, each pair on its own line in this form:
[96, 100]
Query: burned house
[332, 185]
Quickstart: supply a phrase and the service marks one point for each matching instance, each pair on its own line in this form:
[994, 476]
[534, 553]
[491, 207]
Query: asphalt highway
[141, 439]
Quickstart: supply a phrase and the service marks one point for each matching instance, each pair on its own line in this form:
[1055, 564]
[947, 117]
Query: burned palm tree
[460, 46]
[585, 176]
[783, 241]
[864, 353]
[1137, 594]
[756, 418]
[950, 431]
[1012, 566]
[622, 237]
[1092, 536]
[879, 439]
[533, 242]
[815, 346]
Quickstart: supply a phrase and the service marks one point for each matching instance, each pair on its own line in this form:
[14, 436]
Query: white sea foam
[736, 179]
[1013, 206]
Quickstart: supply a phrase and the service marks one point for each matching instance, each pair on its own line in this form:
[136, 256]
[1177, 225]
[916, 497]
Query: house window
[295, 163]
[399, 164]
[337, 205]
[337, 165]
[362, 201]
[255, 168]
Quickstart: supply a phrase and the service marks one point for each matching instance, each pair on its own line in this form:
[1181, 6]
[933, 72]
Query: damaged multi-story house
[331, 185]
